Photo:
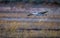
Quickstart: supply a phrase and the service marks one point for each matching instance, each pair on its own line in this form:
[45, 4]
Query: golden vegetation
[10, 29]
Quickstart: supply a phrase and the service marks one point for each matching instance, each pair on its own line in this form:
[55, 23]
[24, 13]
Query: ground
[30, 29]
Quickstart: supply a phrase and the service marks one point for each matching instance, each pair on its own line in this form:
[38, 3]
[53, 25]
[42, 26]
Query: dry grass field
[17, 29]
[12, 29]
[20, 29]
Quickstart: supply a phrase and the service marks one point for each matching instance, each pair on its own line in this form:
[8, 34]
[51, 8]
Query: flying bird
[37, 13]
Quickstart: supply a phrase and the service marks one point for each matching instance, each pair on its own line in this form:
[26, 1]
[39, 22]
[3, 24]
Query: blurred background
[14, 22]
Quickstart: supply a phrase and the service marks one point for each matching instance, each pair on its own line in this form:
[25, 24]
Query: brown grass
[10, 29]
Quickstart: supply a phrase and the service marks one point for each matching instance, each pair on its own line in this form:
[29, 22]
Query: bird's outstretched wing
[42, 12]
